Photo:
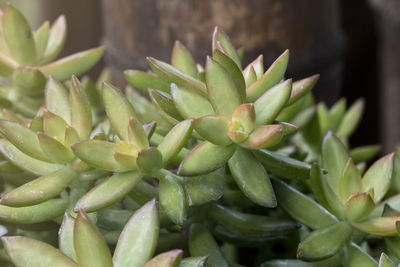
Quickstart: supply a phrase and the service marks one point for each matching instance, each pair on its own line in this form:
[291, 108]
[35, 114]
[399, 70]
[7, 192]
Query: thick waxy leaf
[183, 60]
[358, 257]
[249, 224]
[245, 115]
[174, 141]
[57, 99]
[81, 115]
[233, 70]
[351, 119]
[55, 150]
[379, 177]
[219, 36]
[302, 87]
[318, 185]
[108, 192]
[205, 188]
[100, 154]
[66, 237]
[204, 158]
[166, 259]
[149, 160]
[53, 125]
[364, 153]
[142, 228]
[118, 109]
[142, 81]
[251, 178]
[325, 242]
[202, 243]
[295, 203]
[7, 66]
[385, 261]
[25, 251]
[271, 77]
[165, 106]
[193, 262]
[25, 162]
[382, 226]
[90, 247]
[350, 182]
[214, 129]
[75, 64]
[190, 104]
[359, 207]
[34, 214]
[29, 81]
[281, 165]
[173, 75]
[250, 76]
[264, 136]
[137, 135]
[40, 189]
[268, 105]
[220, 86]
[23, 138]
[173, 198]
[334, 158]
[257, 65]
[70, 136]
[41, 36]
[18, 36]
[57, 36]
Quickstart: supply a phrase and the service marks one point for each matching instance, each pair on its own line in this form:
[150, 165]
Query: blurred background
[354, 45]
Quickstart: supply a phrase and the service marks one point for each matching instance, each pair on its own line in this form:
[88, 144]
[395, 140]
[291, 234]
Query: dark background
[354, 45]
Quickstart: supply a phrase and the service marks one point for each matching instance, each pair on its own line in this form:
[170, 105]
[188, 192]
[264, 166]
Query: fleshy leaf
[142, 81]
[193, 262]
[381, 226]
[245, 115]
[359, 207]
[350, 182]
[250, 76]
[53, 125]
[385, 261]
[358, 257]
[364, 153]
[351, 119]
[137, 135]
[165, 106]
[54, 149]
[66, 237]
[219, 36]
[214, 129]
[41, 36]
[257, 65]
[183, 60]
[81, 114]
[142, 228]
[149, 160]
[166, 259]
[29, 81]
[57, 36]
[264, 136]
[302, 87]
[57, 99]
[251, 178]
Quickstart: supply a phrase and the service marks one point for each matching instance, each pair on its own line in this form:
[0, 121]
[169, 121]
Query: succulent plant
[184, 167]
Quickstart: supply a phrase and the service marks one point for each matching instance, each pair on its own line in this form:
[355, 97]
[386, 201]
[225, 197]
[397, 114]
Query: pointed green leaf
[25, 162]
[358, 257]
[29, 81]
[173, 198]
[142, 81]
[7, 66]
[233, 70]
[202, 243]
[213, 128]
[142, 228]
[257, 65]
[81, 115]
[251, 178]
[149, 160]
[250, 76]
[57, 36]
[136, 134]
[318, 184]
[264, 136]
[174, 141]
[166, 259]
[359, 207]
[385, 261]
[172, 75]
[189, 103]
[270, 78]
[40, 189]
[23, 138]
[204, 158]
[25, 251]
[220, 86]
[301, 88]
[381, 226]
[54, 125]
[295, 203]
[41, 36]
[245, 115]
[70, 136]
[270, 104]
[350, 182]
[379, 177]
[75, 64]
[55, 150]
[193, 262]
[351, 119]
[165, 106]
[42, 212]
[364, 153]
[18, 36]
[57, 99]
[108, 192]
[336, 114]
[219, 36]
[118, 109]
[66, 236]
[90, 247]
[183, 60]
[324, 243]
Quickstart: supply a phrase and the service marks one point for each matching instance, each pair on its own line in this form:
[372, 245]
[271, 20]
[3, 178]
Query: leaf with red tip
[381, 226]
[359, 207]
[166, 259]
[250, 76]
[257, 65]
[263, 137]
[219, 36]
[245, 115]
[54, 125]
